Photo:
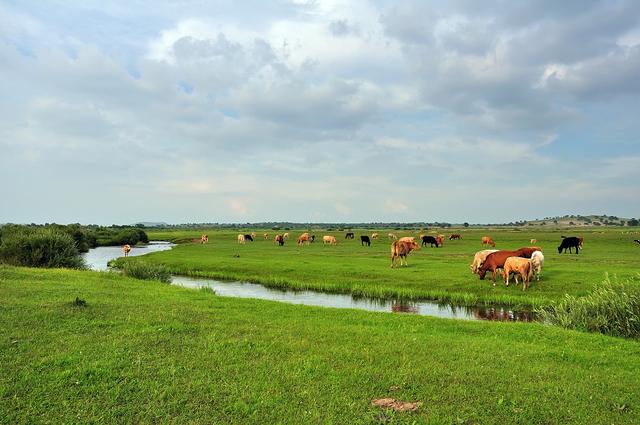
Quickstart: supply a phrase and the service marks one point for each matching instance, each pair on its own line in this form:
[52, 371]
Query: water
[98, 258]
[321, 299]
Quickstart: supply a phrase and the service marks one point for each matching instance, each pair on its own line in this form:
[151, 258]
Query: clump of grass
[146, 271]
[40, 248]
[79, 302]
[612, 308]
[208, 290]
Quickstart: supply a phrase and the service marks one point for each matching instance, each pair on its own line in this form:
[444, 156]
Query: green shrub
[40, 247]
[611, 309]
[146, 271]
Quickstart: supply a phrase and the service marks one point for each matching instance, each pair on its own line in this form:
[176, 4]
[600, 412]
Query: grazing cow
[407, 239]
[571, 242]
[253, 234]
[429, 240]
[286, 235]
[537, 261]
[440, 239]
[304, 238]
[374, 236]
[313, 238]
[534, 241]
[241, 239]
[266, 236]
[204, 238]
[392, 236]
[329, 239]
[349, 235]
[400, 250]
[248, 238]
[126, 250]
[487, 240]
[637, 241]
[279, 239]
[495, 260]
[478, 259]
[455, 236]
[518, 266]
[365, 240]
[580, 240]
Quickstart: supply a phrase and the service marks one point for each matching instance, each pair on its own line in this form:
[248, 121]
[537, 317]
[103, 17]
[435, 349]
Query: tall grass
[612, 308]
[146, 271]
[40, 247]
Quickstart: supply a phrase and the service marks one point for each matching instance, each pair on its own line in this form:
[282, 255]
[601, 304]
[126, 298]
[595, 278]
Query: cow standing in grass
[365, 240]
[400, 250]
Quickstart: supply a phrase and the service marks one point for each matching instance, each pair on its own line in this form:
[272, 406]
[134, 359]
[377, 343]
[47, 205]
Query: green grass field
[147, 352]
[433, 273]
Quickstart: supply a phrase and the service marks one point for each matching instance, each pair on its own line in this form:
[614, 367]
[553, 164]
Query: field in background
[145, 352]
[435, 273]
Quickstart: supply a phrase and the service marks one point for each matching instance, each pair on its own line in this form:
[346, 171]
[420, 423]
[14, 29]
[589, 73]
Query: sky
[318, 111]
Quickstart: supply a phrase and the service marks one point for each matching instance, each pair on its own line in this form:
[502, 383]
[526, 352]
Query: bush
[146, 271]
[40, 247]
[611, 309]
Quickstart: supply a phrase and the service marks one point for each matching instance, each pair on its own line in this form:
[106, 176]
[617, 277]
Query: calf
[534, 241]
[537, 261]
[518, 266]
[429, 240]
[248, 237]
[487, 240]
[455, 236]
[365, 240]
[400, 250]
[331, 240]
[570, 242]
[349, 235]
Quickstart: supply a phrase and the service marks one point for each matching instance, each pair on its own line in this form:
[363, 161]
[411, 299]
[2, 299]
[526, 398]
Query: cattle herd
[525, 263]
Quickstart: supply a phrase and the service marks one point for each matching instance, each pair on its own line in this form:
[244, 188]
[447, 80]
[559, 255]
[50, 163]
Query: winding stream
[98, 258]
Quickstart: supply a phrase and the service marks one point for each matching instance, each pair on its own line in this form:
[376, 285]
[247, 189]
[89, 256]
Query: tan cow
[241, 239]
[126, 250]
[401, 250]
[253, 235]
[486, 240]
[374, 236]
[266, 236]
[204, 238]
[392, 236]
[304, 238]
[534, 241]
[479, 258]
[407, 239]
[518, 266]
[331, 240]
[286, 235]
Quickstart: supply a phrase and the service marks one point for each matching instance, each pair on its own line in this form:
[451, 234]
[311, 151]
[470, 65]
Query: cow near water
[400, 250]
[495, 261]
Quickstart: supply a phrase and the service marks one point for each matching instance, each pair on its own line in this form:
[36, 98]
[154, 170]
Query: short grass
[147, 352]
[434, 273]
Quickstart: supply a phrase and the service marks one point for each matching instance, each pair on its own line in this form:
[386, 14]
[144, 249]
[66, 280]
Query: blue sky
[341, 111]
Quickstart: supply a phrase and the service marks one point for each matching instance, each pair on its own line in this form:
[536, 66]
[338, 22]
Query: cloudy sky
[340, 111]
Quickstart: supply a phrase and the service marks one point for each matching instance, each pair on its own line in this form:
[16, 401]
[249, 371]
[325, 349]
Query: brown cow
[534, 241]
[204, 238]
[304, 238]
[495, 260]
[279, 239]
[266, 236]
[401, 250]
[518, 266]
[374, 236]
[455, 236]
[329, 239]
[486, 240]
[407, 239]
[440, 240]
[126, 250]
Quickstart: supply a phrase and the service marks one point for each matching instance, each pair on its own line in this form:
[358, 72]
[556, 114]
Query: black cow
[313, 238]
[571, 242]
[248, 238]
[349, 235]
[365, 240]
[637, 241]
[429, 239]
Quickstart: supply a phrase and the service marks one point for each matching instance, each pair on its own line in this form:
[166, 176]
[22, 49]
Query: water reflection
[98, 258]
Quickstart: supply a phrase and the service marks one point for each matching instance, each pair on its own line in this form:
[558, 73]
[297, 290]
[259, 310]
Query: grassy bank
[143, 351]
[434, 273]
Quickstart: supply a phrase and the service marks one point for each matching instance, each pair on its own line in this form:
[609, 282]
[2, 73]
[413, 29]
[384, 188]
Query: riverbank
[163, 353]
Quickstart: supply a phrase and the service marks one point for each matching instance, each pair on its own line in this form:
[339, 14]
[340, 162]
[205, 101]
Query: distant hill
[151, 224]
[581, 221]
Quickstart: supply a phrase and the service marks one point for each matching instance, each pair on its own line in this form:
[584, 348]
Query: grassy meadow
[434, 273]
[148, 352]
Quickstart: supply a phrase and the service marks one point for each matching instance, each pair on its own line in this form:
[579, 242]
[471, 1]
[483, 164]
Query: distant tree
[466, 224]
[633, 222]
